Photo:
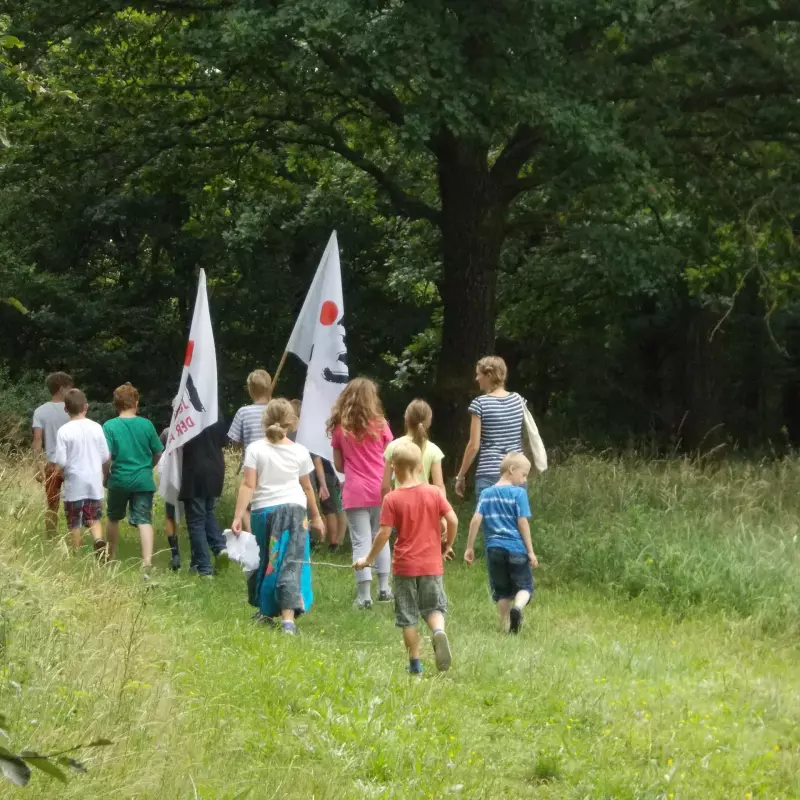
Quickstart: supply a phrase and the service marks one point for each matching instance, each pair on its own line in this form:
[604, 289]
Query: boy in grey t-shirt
[47, 419]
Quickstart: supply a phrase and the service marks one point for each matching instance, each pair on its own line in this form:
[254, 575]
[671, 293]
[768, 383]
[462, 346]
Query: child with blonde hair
[359, 435]
[504, 510]
[276, 486]
[414, 509]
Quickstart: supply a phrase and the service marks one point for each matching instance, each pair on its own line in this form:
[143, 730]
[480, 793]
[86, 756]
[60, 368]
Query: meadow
[659, 658]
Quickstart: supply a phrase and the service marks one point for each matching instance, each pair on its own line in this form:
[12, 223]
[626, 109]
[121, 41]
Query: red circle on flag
[329, 313]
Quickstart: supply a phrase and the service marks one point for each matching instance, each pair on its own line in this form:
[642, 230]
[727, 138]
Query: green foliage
[610, 190]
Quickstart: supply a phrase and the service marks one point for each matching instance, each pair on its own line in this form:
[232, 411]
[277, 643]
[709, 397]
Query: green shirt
[133, 442]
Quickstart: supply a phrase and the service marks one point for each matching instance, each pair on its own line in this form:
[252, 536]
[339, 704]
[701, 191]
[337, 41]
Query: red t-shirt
[415, 513]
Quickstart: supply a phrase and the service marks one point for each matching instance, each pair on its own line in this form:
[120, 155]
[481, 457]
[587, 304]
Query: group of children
[390, 486]
[84, 459]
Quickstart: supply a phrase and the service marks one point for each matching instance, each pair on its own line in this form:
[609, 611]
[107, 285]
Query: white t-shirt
[279, 468]
[81, 451]
[50, 417]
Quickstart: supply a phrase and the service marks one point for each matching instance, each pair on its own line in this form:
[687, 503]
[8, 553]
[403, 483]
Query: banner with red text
[196, 404]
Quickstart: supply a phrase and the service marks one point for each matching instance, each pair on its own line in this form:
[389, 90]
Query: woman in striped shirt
[496, 427]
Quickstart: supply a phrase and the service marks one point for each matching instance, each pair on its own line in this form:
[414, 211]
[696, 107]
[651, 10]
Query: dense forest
[605, 194]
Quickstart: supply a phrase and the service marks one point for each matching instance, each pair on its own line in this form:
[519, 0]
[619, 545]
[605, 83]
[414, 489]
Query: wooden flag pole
[278, 371]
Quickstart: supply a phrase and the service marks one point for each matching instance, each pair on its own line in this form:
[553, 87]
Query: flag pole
[279, 370]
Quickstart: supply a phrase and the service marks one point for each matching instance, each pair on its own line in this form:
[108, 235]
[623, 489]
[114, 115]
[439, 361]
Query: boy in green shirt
[135, 450]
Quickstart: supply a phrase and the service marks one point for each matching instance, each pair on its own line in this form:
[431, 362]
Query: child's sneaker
[362, 605]
[414, 667]
[333, 548]
[385, 596]
[288, 628]
[441, 650]
[516, 620]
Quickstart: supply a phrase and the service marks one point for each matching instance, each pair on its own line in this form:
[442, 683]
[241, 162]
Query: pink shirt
[363, 466]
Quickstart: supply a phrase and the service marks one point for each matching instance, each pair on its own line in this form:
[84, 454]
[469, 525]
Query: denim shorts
[417, 597]
[509, 573]
[139, 504]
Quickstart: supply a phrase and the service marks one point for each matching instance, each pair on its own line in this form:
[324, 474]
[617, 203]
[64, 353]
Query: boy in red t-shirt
[415, 509]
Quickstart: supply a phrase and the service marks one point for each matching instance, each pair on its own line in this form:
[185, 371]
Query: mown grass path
[601, 696]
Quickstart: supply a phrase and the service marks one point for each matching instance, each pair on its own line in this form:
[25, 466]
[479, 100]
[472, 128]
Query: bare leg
[170, 526]
[411, 641]
[287, 615]
[112, 537]
[435, 621]
[96, 530]
[331, 527]
[341, 528]
[522, 599]
[504, 610]
[75, 538]
[146, 536]
[51, 520]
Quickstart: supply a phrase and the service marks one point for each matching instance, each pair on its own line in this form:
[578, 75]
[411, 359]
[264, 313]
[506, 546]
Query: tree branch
[518, 150]
[790, 12]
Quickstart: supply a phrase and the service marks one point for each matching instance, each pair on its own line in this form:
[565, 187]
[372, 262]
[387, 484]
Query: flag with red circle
[318, 339]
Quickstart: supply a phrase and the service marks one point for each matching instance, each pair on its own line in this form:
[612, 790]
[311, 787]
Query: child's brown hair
[418, 419]
[57, 381]
[125, 397]
[358, 410]
[279, 419]
[74, 402]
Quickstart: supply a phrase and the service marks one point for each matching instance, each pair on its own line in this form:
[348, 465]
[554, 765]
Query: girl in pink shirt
[359, 435]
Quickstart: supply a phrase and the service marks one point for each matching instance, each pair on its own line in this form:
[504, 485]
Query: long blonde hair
[358, 410]
[418, 419]
[279, 418]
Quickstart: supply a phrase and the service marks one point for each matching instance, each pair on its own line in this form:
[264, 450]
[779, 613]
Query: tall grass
[722, 537]
[687, 691]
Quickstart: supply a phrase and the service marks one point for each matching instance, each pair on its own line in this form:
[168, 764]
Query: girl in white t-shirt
[276, 486]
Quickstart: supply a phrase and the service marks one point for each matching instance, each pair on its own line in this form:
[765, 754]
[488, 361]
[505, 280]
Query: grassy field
[659, 660]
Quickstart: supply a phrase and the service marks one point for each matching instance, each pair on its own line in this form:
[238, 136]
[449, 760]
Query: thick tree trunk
[472, 237]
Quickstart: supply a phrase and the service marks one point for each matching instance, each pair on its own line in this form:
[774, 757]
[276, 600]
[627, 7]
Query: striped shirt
[246, 427]
[501, 507]
[501, 430]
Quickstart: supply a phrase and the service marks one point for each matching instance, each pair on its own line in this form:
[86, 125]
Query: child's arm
[244, 497]
[437, 479]
[473, 446]
[474, 527]
[386, 483]
[525, 531]
[452, 531]
[338, 461]
[377, 545]
[322, 483]
[317, 523]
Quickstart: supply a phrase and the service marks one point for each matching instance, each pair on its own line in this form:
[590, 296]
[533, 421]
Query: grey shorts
[417, 597]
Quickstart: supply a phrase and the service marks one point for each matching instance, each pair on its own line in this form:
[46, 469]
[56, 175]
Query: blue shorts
[509, 573]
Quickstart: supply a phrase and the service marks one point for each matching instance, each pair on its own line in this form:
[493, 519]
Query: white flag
[318, 339]
[196, 405]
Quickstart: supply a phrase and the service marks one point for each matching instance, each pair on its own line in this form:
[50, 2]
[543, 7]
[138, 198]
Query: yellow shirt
[430, 455]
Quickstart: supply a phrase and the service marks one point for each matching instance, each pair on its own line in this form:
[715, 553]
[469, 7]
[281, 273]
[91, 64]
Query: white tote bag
[535, 443]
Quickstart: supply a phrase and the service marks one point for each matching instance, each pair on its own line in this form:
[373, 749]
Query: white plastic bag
[243, 549]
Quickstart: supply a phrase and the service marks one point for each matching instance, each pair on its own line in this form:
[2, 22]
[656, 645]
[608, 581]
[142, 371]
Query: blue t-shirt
[501, 507]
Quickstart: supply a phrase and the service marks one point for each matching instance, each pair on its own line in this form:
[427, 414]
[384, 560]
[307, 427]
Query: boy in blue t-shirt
[504, 510]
